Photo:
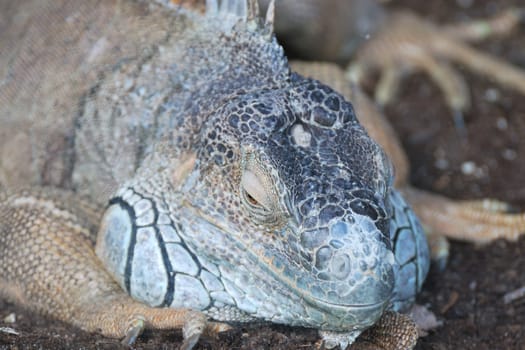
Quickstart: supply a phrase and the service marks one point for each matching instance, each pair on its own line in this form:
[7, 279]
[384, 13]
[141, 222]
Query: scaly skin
[234, 187]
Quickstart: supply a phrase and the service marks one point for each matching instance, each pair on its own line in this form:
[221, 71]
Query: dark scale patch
[306, 207]
[363, 208]
[253, 125]
[332, 103]
[317, 96]
[233, 120]
[383, 225]
[311, 87]
[219, 160]
[245, 128]
[307, 257]
[270, 122]
[262, 136]
[336, 196]
[263, 108]
[323, 117]
[310, 222]
[329, 212]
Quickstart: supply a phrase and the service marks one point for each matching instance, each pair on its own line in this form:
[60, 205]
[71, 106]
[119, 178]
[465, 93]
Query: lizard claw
[135, 329]
[196, 325]
[192, 330]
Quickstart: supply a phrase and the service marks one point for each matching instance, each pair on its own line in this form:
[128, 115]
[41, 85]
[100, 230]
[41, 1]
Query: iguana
[234, 189]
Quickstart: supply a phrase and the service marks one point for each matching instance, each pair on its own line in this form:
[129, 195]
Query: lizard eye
[253, 191]
[250, 199]
[258, 192]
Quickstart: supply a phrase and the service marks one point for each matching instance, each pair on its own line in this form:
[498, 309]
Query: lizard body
[235, 187]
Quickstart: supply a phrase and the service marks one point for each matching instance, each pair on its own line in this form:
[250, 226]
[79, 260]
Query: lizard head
[280, 213]
[298, 182]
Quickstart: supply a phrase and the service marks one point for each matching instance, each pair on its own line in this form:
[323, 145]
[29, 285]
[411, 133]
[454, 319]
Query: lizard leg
[473, 221]
[393, 331]
[413, 44]
[450, 82]
[49, 265]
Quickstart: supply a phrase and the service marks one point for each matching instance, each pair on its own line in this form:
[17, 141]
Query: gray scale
[411, 252]
[181, 260]
[190, 293]
[150, 278]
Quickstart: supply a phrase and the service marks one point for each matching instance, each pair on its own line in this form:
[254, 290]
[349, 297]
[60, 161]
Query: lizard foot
[411, 43]
[474, 221]
[109, 321]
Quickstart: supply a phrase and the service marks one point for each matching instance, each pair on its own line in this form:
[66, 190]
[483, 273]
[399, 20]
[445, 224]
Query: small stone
[465, 3]
[509, 154]
[468, 168]
[492, 95]
[8, 330]
[441, 164]
[473, 285]
[501, 123]
[11, 318]
[128, 84]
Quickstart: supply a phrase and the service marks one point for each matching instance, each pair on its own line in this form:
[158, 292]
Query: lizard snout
[357, 262]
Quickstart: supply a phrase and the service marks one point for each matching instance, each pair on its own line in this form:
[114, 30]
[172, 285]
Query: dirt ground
[490, 162]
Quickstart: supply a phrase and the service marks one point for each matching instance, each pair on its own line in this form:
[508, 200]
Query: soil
[488, 162]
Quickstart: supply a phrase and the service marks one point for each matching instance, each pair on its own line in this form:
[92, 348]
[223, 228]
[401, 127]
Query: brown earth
[468, 296]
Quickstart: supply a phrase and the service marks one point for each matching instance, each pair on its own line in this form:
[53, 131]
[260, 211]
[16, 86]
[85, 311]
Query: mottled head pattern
[292, 175]
[281, 211]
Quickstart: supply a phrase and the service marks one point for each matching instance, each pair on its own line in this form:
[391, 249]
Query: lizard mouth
[333, 305]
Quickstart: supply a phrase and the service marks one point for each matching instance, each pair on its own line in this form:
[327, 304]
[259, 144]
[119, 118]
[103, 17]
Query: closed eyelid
[255, 188]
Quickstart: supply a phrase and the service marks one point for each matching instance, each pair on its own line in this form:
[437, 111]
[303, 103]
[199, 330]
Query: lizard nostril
[341, 266]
